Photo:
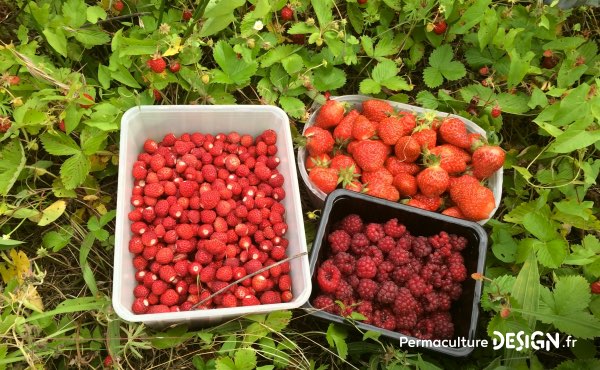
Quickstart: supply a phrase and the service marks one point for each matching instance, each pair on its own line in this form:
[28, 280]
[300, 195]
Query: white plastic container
[144, 122]
[317, 197]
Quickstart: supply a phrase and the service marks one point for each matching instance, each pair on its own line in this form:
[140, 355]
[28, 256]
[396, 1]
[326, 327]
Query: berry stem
[246, 277]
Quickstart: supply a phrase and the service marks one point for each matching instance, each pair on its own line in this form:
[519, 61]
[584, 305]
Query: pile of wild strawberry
[433, 164]
[396, 280]
[207, 213]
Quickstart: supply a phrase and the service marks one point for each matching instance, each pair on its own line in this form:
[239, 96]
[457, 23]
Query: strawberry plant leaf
[519, 65]
[384, 70]
[302, 28]
[52, 212]
[92, 140]
[551, 253]
[323, 11]
[355, 16]
[441, 56]
[417, 52]
[276, 54]
[537, 99]
[74, 170]
[514, 324]
[387, 45]
[367, 45]
[57, 40]
[330, 78]
[453, 70]
[59, 144]
[293, 106]
[471, 17]
[57, 240]
[564, 43]
[278, 320]
[74, 12]
[368, 86]
[245, 359]
[504, 246]
[218, 8]
[104, 76]
[432, 77]
[540, 226]
[579, 364]
[293, 64]
[93, 13]
[571, 294]
[427, 100]
[90, 37]
[235, 71]
[514, 104]
[526, 289]
[336, 337]
[487, 28]
[12, 162]
[224, 363]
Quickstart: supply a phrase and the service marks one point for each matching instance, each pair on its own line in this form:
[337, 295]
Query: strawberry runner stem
[247, 277]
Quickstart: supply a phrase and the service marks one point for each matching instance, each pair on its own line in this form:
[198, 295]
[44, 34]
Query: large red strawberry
[409, 122]
[474, 200]
[347, 168]
[453, 131]
[370, 155]
[390, 129]
[343, 131]
[330, 114]
[317, 140]
[425, 136]
[452, 159]
[325, 179]
[407, 149]
[487, 159]
[363, 128]
[381, 175]
[434, 180]
[321, 160]
[396, 166]
[429, 203]
[157, 64]
[376, 110]
[406, 184]
[383, 190]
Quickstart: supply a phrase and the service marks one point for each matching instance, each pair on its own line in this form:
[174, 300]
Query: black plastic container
[465, 311]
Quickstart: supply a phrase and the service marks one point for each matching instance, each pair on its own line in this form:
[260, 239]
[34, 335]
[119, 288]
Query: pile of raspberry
[206, 212]
[397, 281]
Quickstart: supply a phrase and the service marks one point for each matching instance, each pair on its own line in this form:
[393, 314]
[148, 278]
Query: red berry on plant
[287, 14]
[496, 111]
[440, 27]
[186, 15]
[175, 67]
[595, 287]
[118, 6]
[157, 64]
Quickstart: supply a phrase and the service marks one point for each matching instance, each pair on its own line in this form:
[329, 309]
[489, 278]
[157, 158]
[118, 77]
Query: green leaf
[57, 240]
[568, 75]
[52, 212]
[90, 38]
[368, 86]
[235, 71]
[513, 103]
[573, 139]
[171, 338]
[417, 52]
[504, 246]
[384, 70]
[216, 24]
[57, 40]
[293, 106]
[487, 28]
[87, 273]
[397, 83]
[538, 99]
[218, 8]
[336, 337]
[441, 56]
[74, 12]
[302, 28]
[92, 140]
[124, 76]
[432, 77]
[330, 78]
[526, 289]
[12, 162]
[519, 66]
[427, 100]
[587, 364]
[552, 253]
[59, 144]
[74, 170]
[355, 15]
[93, 13]
[104, 76]
[245, 359]
[9, 243]
[387, 45]
[276, 54]
[323, 10]
[472, 16]
[540, 226]
[453, 70]
[293, 64]
[81, 304]
[571, 295]
[278, 320]
[564, 43]
[224, 363]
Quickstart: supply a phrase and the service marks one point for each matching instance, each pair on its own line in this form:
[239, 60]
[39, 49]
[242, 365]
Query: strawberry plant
[526, 72]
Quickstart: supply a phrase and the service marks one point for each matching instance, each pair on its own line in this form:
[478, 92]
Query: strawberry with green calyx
[316, 140]
[330, 114]
[174, 67]
[370, 155]
[433, 180]
[363, 128]
[425, 135]
[347, 169]
[321, 160]
[454, 131]
[409, 122]
[475, 141]
[343, 131]
[287, 14]
[326, 179]
[452, 159]
[356, 186]
[157, 64]
[486, 160]
[376, 110]
[186, 15]
[407, 149]
[484, 71]
[406, 184]
[440, 27]
[474, 200]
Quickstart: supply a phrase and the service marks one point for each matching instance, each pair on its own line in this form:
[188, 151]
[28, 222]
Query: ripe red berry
[496, 111]
[287, 14]
[118, 6]
[14, 80]
[174, 67]
[328, 278]
[187, 15]
[484, 71]
[157, 65]
[362, 2]
[108, 361]
[440, 27]
[595, 287]
[157, 95]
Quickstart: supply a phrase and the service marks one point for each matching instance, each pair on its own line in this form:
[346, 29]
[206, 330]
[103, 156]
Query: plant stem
[161, 11]
[195, 17]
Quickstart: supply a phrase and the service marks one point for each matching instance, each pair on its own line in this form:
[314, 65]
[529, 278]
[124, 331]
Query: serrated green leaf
[278, 320]
[124, 76]
[513, 103]
[331, 78]
[224, 363]
[90, 38]
[494, 291]
[52, 212]
[579, 364]
[276, 54]
[57, 240]
[292, 64]
[59, 144]
[384, 70]
[441, 56]
[417, 52]
[323, 11]
[432, 77]
[397, 83]
[427, 100]
[355, 15]
[568, 75]
[574, 106]
[453, 70]
[367, 45]
[564, 43]
[571, 295]
[219, 8]
[12, 162]
[302, 28]
[519, 66]
[235, 71]
[504, 246]
[93, 13]
[526, 289]
[368, 86]
[336, 337]
[92, 140]
[245, 359]
[74, 170]
[538, 99]
[74, 13]
[57, 39]
[539, 226]
[513, 324]
[552, 253]
[472, 16]
[293, 106]
[387, 45]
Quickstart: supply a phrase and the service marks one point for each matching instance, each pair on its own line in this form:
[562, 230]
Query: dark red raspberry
[430, 302]
[405, 242]
[374, 252]
[345, 262]
[406, 321]
[424, 329]
[367, 289]
[393, 228]
[405, 302]
[386, 244]
[328, 278]
[418, 286]
[443, 328]
[387, 293]
[383, 271]
[455, 258]
[325, 303]
[359, 243]
[399, 256]
[401, 274]
[421, 247]
[344, 291]
[351, 224]
[366, 268]
[428, 270]
[365, 308]
[440, 240]
[458, 242]
[353, 280]
[339, 241]
[458, 272]
[384, 319]
[415, 265]
[374, 232]
[436, 258]
[453, 290]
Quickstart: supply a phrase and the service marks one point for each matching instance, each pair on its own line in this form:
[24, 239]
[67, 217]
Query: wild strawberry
[158, 308]
[186, 15]
[89, 98]
[159, 287]
[453, 131]
[595, 287]
[157, 64]
[406, 184]
[169, 297]
[157, 95]
[209, 199]
[167, 273]
[118, 6]
[250, 300]
[362, 2]
[140, 306]
[330, 114]
[376, 110]
[318, 140]
[287, 14]
[224, 273]
[153, 190]
[108, 361]
[505, 312]
[474, 200]
[343, 131]
[287, 296]
[164, 256]
[61, 125]
[452, 159]
[363, 128]
[270, 297]
[149, 238]
[370, 155]
[185, 231]
[549, 60]
[425, 136]
[214, 246]
[390, 129]
[229, 300]
[484, 71]
[174, 67]
[440, 27]
[407, 149]
[259, 283]
[326, 179]
[276, 180]
[486, 160]
[496, 111]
